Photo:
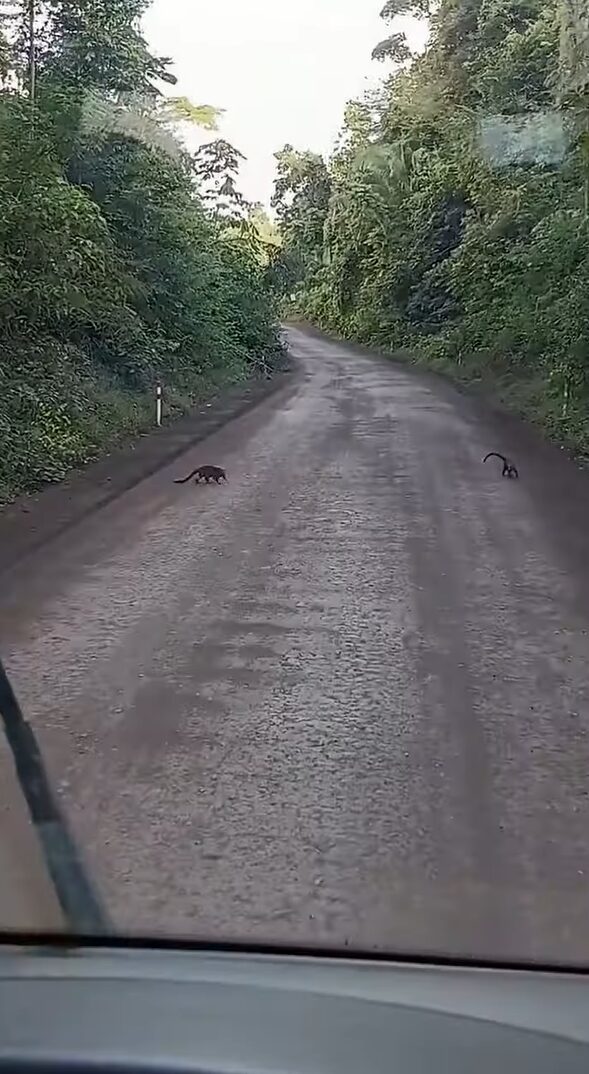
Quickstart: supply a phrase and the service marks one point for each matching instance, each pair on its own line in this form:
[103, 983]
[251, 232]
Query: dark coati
[206, 473]
[509, 468]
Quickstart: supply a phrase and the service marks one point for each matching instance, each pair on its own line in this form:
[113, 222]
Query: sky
[283, 70]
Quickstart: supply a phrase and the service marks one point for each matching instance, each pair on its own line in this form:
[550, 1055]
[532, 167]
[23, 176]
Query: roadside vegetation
[416, 239]
[124, 259]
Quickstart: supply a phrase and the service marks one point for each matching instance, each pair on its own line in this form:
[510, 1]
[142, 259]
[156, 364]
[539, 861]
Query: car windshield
[294, 421]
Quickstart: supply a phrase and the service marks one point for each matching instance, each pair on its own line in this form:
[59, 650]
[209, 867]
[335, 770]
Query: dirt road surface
[342, 699]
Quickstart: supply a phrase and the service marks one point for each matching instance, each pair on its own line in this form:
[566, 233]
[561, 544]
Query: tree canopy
[424, 238]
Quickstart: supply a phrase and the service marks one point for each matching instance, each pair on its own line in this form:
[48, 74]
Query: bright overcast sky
[282, 69]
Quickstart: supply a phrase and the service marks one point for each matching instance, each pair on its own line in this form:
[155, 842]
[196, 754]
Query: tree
[116, 264]
[393, 48]
[98, 43]
[216, 165]
[479, 269]
[415, 8]
[301, 200]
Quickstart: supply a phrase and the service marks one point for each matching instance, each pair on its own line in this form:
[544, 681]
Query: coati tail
[183, 480]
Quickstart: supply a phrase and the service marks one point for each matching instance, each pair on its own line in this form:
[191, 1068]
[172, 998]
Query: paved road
[343, 698]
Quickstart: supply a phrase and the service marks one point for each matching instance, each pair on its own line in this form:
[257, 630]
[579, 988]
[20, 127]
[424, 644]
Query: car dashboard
[101, 1009]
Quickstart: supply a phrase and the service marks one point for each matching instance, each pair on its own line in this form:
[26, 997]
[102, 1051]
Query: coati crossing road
[509, 468]
[205, 473]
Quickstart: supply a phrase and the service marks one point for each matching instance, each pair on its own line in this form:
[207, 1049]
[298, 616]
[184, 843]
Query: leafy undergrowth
[531, 394]
[124, 258]
[58, 411]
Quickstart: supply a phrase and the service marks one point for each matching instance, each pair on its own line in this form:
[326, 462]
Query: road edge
[481, 394]
[33, 520]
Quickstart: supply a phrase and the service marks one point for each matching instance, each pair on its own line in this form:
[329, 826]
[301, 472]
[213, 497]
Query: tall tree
[90, 43]
[216, 165]
[301, 201]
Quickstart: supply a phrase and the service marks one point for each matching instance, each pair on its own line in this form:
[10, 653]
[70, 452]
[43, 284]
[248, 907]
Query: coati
[207, 473]
[509, 468]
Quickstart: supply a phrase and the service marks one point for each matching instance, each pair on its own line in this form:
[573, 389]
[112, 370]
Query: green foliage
[394, 8]
[481, 271]
[393, 48]
[116, 266]
[180, 109]
[301, 200]
[97, 43]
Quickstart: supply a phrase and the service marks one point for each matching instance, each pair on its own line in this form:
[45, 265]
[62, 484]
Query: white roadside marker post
[158, 404]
